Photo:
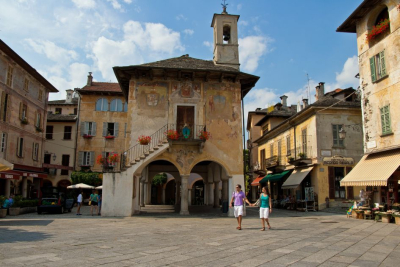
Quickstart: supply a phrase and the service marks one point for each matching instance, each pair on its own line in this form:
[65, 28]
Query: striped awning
[296, 178]
[256, 181]
[373, 169]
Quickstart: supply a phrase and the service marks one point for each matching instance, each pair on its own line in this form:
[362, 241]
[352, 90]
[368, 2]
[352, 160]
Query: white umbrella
[99, 187]
[80, 186]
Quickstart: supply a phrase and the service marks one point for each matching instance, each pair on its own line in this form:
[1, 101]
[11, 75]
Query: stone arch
[143, 166]
[222, 164]
[47, 182]
[194, 181]
[373, 15]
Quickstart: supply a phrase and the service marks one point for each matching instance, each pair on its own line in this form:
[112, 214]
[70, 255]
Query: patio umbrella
[80, 186]
[99, 187]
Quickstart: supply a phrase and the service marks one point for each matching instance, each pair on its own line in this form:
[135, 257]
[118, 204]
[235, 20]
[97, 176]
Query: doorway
[185, 119]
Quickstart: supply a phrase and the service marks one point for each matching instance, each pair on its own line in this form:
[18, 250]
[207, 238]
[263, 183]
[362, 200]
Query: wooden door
[185, 117]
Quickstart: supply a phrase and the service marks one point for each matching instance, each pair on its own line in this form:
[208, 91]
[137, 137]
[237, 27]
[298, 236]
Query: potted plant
[381, 27]
[16, 206]
[204, 135]
[100, 160]
[172, 135]
[144, 140]
[109, 136]
[3, 212]
[112, 158]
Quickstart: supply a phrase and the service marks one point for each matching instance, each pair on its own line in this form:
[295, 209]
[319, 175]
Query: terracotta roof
[61, 117]
[63, 102]
[285, 112]
[186, 62]
[101, 87]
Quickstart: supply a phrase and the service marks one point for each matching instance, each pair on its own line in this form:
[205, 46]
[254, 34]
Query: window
[279, 150]
[262, 159]
[226, 38]
[67, 132]
[58, 110]
[88, 128]
[40, 96]
[335, 133]
[102, 105]
[106, 155]
[110, 129]
[20, 147]
[49, 131]
[378, 66]
[340, 191]
[26, 85]
[86, 158]
[304, 141]
[65, 162]
[9, 75]
[265, 128]
[35, 151]
[38, 120]
[75, 111]
[23, 111]
[288, 152]
[116, 105]
[271, 150]
[4, 106]
[385, 120]
[3, 142]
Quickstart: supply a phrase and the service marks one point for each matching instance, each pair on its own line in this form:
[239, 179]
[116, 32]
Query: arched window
[382, 16]
[226, 34]
[116, 105]
[102, 105]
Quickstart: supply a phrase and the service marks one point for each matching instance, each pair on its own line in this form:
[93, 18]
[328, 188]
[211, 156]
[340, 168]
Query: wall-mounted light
[54, 156]
[342, 132]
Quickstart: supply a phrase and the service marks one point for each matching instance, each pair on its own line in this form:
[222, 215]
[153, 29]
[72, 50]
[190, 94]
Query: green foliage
[26, 203]
[160, 179]
[89, 178]
[2, 199]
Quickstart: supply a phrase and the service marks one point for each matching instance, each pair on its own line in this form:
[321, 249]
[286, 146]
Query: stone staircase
[151, 209]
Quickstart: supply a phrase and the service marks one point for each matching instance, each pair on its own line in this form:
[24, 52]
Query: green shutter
[373, 73]
[387, 119]
[383, 65]
[383, 120]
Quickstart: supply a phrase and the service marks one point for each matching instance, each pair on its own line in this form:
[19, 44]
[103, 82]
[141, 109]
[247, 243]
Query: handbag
[90, 202]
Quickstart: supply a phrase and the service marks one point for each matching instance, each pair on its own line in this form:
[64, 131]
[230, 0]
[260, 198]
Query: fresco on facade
[186, 89]
[151, 96]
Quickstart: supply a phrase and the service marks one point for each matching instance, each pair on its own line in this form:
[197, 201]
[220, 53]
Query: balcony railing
[187, 132]
[274, 161]
[301, 154]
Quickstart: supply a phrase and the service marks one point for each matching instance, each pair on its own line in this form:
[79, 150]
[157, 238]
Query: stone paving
[296, 239]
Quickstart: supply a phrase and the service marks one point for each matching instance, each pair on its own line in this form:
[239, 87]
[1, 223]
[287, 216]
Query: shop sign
[338, 160]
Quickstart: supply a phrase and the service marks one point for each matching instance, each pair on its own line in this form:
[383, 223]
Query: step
[158, 207]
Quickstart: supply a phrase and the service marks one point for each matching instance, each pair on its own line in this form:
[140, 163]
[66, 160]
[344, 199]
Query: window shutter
[383, 65]
[387, 119]
[18, 146]
[372, 65]
[331, 177]
[91, 158]
[116, 129]
[349, 189]
[105, 124]
[7, 111]
[20, 110]
[94, 128]
[83, 128]
[33, 151]
[3, 103]
[125, 130]
[80, 158]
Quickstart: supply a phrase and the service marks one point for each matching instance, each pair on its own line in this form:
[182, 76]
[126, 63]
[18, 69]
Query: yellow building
[379, 66]
[306, 150]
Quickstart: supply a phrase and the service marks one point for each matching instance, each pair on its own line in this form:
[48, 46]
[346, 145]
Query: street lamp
[342, 132]
[54, 156]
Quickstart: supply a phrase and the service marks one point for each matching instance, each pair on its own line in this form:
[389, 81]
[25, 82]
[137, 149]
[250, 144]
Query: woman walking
[94, 200]
[265, 208]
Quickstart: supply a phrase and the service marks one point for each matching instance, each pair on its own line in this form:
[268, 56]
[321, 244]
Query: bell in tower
[226, 46]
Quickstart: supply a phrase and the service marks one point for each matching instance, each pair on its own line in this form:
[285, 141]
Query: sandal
[262, 229]
[269, 227]
[239, 228]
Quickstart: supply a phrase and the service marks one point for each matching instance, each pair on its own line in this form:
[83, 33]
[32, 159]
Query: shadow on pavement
[25, 223]
[17, 235]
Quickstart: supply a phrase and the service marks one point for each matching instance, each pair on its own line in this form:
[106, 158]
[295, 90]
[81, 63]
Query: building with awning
[296, 178]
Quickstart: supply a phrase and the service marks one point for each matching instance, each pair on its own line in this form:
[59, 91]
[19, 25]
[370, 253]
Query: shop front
[274, 182]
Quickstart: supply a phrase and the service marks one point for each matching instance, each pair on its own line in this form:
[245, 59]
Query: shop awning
[373, 169]
[274, 177]
[256, 181]
[5, 165]
[9, 175]
[296, 178]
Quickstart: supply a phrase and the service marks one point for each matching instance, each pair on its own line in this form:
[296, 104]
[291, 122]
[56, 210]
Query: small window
[40, 96]
[385, 120]
[4, 106]
[102, 105]
[288, 152]
[65, 162]
[20, 147]
[3, 142]
[10, 71]
[262, 159]
[226, 38]
[38, 120]
[110, 129]
[88, 128]
[49, 131]
[116, 105]
[335, 133]
[67, 132]
[58, 110]
[23, 112]
[35, 151]
[87, 158]
[75, 111]
[26, 85]
[271, 150]
[378, 66]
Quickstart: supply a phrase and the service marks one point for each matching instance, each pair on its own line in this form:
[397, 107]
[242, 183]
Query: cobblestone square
[296, 239]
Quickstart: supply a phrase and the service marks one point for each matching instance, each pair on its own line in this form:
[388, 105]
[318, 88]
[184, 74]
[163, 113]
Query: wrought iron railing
[192, 133]
[301, 152]
[274, 161]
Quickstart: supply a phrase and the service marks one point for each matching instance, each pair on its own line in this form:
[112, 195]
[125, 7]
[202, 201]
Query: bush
[160, 179]
[89, 178]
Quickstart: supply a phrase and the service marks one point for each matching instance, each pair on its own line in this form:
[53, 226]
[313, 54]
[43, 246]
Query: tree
[160, 179]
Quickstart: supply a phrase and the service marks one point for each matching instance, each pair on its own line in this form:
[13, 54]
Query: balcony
[195, 135]
[275, 163]
[300, 156]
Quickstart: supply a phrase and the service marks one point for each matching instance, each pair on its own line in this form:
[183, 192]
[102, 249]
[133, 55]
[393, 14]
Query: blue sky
[280, 41]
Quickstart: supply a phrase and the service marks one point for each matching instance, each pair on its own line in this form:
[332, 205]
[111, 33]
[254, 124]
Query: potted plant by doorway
[15, 208]
[3, 212]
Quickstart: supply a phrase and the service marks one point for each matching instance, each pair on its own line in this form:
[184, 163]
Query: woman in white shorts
[265, 208]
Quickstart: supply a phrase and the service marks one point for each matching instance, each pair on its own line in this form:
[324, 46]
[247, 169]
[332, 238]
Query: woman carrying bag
[265, 204]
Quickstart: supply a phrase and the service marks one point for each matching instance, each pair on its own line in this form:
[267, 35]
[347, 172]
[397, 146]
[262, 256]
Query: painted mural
[186, 89]
[152, 96]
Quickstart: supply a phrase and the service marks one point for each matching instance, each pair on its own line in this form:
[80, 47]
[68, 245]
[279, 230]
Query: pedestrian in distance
[79, 202]
[265, 207]
[100, 200]
[237, 201]
[94, 202]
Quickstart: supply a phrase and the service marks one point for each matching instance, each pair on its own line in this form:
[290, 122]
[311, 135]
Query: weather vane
[224, 5]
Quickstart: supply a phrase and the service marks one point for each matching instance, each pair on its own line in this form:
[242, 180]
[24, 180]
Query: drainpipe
[294, 139]
[244, 143]
[77, 129]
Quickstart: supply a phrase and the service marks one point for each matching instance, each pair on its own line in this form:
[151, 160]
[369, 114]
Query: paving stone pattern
[296, 239]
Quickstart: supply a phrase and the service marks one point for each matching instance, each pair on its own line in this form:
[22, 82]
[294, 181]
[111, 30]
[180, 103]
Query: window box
[38, 129]
[24, 121]
[109, 137]
[87, 136]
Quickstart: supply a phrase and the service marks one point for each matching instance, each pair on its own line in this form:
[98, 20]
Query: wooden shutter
[8, 105]
[116, 129]
[372, 65]
[91, 153]
[349, 189]
[125, 130]
[83, 128]
[383, 65]
[18, 147]
[387, 119]
[105, 129]
[21, 106]
[331, 177]
[94, 128]
[33, 151]
[80, 158]
[3, 103]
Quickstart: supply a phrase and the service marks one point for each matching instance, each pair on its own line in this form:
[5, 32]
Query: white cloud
[251, 49]
[148, 41]
[239, 7]
[52, 51]
[188, 31]
[128, 1]
[84, 3]
[115, 4]
[181, 17]
[243, 23]
[346, 77]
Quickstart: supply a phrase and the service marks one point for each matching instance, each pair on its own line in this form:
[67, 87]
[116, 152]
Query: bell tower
[226, 46]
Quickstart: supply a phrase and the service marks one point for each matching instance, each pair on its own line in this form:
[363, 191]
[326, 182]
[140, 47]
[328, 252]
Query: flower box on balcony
[24, 121]
[381, 27]
[87, 136]
[172, 135]
[38, 129]
[109, 137]
[204, 135]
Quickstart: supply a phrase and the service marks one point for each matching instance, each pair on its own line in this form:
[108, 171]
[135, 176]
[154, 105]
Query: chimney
[284, 100]
[320, 91]
[89, 79]
[305, 103]
[69, 95]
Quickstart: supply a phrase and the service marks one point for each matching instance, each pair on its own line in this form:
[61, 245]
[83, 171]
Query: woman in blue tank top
[265, 208]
